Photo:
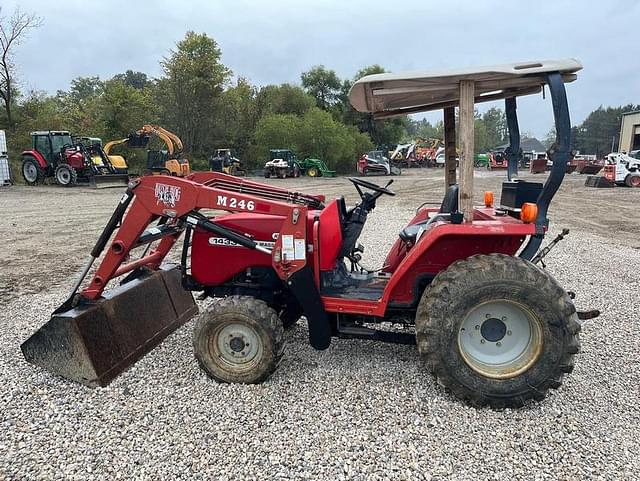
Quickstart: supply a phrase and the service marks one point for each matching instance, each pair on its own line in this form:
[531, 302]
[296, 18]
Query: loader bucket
[108, 180]
[598, 181]
[93, 344]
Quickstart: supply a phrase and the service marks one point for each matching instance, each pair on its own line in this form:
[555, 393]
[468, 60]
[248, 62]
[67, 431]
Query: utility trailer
[492, 326]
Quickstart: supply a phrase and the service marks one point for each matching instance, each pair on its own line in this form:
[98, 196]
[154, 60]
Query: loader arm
[179, 201]
[171, 140]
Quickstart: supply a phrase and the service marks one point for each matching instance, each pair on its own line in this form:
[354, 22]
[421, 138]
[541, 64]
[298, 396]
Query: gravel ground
[359, 410]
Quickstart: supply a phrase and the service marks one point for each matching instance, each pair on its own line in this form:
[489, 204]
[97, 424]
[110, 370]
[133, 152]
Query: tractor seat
[449, 206]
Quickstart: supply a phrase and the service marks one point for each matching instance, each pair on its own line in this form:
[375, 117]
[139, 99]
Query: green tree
[423, 129]
[383, 133]
[315, 134]
[190, 90]
[495, 126]
[550, 138]
[137, 80]
[124, 108]
[275, 131]
[283, 99]
[482, 140]
[236, 118]
[320, 136]
[323, 84]
[81, 105]
[598, 133]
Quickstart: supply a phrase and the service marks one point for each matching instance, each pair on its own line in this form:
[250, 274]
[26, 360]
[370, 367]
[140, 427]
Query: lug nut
[508, 333]
[498, 344]
[504, 318]
[487, 316]
[477, 327]
[482, 341]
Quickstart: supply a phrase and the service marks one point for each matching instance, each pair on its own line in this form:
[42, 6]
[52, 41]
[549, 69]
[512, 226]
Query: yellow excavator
[164, 161]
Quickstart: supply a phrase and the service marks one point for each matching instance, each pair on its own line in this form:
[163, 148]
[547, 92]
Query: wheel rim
[63, 176]
[30, 172]
[635, 181]
[237, 346]
[312, 172]
[500, 339]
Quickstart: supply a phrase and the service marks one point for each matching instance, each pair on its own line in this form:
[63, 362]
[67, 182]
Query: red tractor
[490, 324]
[55, 154]
[497, 160]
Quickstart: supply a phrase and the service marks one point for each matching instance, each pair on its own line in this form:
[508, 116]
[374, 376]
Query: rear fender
[36, 155]
[442, 245]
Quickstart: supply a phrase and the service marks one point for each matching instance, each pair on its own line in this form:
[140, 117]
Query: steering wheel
[371, 186]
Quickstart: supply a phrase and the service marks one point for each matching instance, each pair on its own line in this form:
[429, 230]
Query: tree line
[196, 98]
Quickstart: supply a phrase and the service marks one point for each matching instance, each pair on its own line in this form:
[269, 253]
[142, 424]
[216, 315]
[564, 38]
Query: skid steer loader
[491, 325]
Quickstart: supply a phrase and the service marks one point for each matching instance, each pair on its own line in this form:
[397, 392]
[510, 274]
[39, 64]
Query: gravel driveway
[359, 410]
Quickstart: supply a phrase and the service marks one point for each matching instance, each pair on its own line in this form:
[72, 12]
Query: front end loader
[466, 281]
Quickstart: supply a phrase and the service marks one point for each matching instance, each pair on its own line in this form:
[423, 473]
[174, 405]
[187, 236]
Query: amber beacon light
[528, 212]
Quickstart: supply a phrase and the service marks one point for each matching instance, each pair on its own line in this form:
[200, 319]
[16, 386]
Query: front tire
[239, 339]
[32, 172]
[66, 175]
[497, 331]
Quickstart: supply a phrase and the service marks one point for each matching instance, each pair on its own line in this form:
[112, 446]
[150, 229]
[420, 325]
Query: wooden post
[467, 92]
[449, 146]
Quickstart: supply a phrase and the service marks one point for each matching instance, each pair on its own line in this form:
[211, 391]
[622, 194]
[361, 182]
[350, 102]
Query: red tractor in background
[497, 160]
[55, 154]
[490, 324]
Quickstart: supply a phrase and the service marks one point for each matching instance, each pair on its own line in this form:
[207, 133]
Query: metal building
[630, 132]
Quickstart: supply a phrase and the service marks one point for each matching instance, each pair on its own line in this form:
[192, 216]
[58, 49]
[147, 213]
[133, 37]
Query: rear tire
[497, 331]
[66, 175]
[312, 172]
[239, 339]
[32, 173]
[267, 174]
[632, 180]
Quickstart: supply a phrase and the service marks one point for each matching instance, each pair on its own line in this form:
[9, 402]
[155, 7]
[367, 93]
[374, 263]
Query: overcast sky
[274, 41]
